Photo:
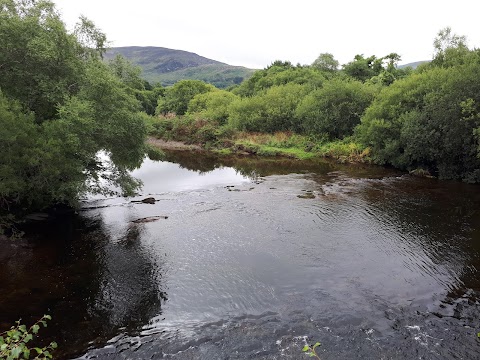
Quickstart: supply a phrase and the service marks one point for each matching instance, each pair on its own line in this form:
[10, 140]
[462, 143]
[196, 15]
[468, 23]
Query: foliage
[280, 73]
[428, 120]
[346, 150]
[310, 350]
[279, 144]
[178, 96]
[270, 111]
[362, 68]
[40, 63]
[326, 62]
[336, 108]
[450, 49]
[128, 74]
[382, 70]
[213, 105]
[148, 98]
[13, 342]
[130, 77]
[188, 129]
[60, 105]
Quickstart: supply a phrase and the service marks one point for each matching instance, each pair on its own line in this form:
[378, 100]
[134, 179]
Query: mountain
[167, 66]
[413, 65]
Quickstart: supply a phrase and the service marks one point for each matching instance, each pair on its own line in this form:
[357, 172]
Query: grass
[224, 140]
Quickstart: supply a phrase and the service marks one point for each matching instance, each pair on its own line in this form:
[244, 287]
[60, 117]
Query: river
[252, 258]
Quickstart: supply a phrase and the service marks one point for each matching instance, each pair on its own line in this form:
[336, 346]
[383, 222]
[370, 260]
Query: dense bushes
[177, 97]
[428, 120]
[273, 110]
[212, 105]
[336, 108]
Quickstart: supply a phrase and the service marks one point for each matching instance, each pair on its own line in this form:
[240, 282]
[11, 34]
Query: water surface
[255, 258]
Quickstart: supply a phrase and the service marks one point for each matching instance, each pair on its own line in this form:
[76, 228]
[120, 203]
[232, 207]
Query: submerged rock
[308, 195]
[149, 200]
[149, 219]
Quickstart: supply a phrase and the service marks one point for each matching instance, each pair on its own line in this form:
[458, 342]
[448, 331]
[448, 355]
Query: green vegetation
[425, 120]
[176, 98]
[13, 342]
[60, 106]
[310, 350]
[167, 66]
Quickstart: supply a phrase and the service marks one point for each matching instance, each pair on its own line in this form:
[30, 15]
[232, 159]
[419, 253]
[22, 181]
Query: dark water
[255, 258]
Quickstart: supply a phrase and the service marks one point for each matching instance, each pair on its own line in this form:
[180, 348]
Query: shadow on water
[74, 270]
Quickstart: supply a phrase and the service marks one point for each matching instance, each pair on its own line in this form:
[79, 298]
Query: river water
[251, 259]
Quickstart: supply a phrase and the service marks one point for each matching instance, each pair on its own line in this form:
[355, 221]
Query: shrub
[13, 342]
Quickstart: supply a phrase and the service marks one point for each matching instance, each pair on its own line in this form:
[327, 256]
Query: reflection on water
[374, 264]
[93, 282]
[165, 176]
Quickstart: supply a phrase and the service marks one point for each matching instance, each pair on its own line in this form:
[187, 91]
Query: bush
[13, 342]
[428, 121]
[177, 97]
[336, 108]
[271, 111]
[212, 105]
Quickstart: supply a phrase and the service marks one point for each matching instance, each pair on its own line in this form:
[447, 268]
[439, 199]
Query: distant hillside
[413, 65]
[168, 66]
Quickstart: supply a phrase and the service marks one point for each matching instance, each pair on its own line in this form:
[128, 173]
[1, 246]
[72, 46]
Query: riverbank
[186, 133]
[171, 144]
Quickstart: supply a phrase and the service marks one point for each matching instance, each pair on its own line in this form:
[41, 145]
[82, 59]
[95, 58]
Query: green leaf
[316, 345]
[35, 328]
[53, 345]
[305, 348]
[478, 334]
[16, 351]
[48, 317]
[26, 353]
[38, 350]
[28, 337]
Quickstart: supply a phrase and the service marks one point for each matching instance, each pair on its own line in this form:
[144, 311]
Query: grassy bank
[224, 140]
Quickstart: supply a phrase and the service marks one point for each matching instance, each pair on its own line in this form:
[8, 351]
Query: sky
[254, 33]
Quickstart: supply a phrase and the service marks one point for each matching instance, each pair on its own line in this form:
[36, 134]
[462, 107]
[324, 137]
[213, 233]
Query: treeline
[427, 118]
[61, 106]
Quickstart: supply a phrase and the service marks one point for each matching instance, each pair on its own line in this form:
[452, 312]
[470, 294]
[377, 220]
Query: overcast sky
[254, 33]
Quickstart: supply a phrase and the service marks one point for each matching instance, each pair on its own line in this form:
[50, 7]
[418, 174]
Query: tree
[178, 96]
[273, 110]
[212, 105]
[336, 108]
[60, 105]
[326, 62]
[362, 68]
[129, 74]
[40, 62]
[449, 48]
[279, 73]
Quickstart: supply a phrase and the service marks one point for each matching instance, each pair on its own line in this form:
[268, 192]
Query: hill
[167, 66]
[413, 65]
